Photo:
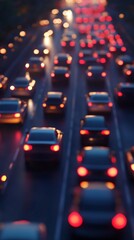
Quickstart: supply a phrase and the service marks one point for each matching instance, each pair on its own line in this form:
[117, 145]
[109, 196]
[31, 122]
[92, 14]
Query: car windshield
[94, 123]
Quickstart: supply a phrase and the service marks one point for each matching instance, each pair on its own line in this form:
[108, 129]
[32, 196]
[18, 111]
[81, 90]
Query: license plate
[52, 107]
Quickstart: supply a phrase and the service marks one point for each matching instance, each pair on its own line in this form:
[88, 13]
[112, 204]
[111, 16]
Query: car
[63, 59]
[35, 65]
[97, 212]
[99, 103]
[3, 84]
[124, 93]
[54, 103]
[85, 57]
[123, 60]
[85, 43]
[117, 48]
[41, 50]
[23, 229]
[69, 33]
[129, 154]
[12, 110]
[67, 42]
[42, 146]
[128, 72]
[94, 131]
[60, 75]
[96, 164]
[95, 74]
[102, 56]
[23, 87]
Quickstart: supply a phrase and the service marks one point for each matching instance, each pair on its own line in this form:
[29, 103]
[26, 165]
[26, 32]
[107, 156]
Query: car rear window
[7, 107]
[42, 136]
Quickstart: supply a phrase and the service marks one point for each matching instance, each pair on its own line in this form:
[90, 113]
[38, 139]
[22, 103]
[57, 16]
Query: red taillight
[79, 158]
[120, 62]
[55, 148]
[119, 221]
[120, 94]
[27, 147]
[56, 61]
[52, 74]
[17, 115]
[63, 44]
[110, 104]
[112, 172]
[82, 44]
[102, 42]
[67, 75]
[75, 219]
[69, 61]
[61, 105]
[103, 74]
[123, 49]
[89, 74]
[90, 104]
[102, 60]
[81, 61]
[82, 171]
[84, 132]
[81, 54]
[109, 55]
[72, 44]
[105, 132]
[128, 72]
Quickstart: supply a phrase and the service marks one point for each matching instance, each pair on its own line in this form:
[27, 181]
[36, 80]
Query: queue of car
[96, 211]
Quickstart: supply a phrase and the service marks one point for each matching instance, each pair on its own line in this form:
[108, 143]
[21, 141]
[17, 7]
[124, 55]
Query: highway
[46, 196]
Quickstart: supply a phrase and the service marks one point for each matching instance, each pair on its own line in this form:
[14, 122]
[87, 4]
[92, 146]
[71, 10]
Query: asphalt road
[46, 196]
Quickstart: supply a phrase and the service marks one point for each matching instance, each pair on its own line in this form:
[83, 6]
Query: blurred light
[36, 51]
[10, 45]
[110, 185]
[84, 184]
[121, 15]
[44, 22]
[66, 25]
[55, 11]
[22, 34]
[3, 178]
[57, 21]
[3, 51]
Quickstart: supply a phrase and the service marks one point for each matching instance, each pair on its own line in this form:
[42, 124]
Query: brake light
[52, 74]
[81, 61]
[128, 72]
[42, 65]
[132, 166]
[112, 49]
[102, 42]
[27, 147]
[120, 94]
[75, 219]
[67, 75]
[105, 132]
[112, 172]
[110, 104]
[72, 43]
[119, 221]
[82, 171]
[90, 104]
[61, 105]
[120, 62]
[102, 60]
[3, 178]
[82, 44]
[55, 148]
[108, 55]
[56, 61]
[44, 104]
[123, 49]
[81, 54]
[63, 44]
[89, 74]
[17, 115]
[79, 158]
[103, 74]
[84, 132]
[68, 61]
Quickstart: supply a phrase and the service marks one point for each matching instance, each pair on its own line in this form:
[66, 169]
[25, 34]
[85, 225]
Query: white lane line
[122, 164]
[16, 154]
[65, 175]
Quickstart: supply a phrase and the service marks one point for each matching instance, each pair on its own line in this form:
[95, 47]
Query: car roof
[54, 94]
[95, 68]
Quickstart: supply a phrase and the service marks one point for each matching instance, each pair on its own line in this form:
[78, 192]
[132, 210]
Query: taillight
[63, 44]
[84, 132]
[82, 44]
[102, 60]
[44, 104]
[90, 104]
[56, 61]
[67, 75]
[103, 74]
[112, 172]
[61, 105]
[75, 219]
[132, 167]
[105, 132]
[72, 43]
[79, 158]
[27, 147]
[82, 171]
[123, 49]
[89, 74]
[112, 49]
[52, 74]
[55, 148]
[42, 65]
[108, 55]
[69, 61]
[119, 221]
[3, 178]
[110, 104]
[17, 115]
[102, 42]
[128, 72]
[120, 94]
[81, 61]
[81, 54]
[120, 62]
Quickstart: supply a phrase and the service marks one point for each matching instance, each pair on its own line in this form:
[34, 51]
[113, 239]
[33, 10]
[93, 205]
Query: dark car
[60, 75]
[23, 87]
[63, 59]
[128, 72]
[117, 48]
[94, 131]
[42, 146]
[35, 65]
[97, 212]
[95, 74]
[99, 103]
[124, 93]
[54, 103]
[17, 229]
[12, 110]
[129, 153]
[3, 83]
[96, 164]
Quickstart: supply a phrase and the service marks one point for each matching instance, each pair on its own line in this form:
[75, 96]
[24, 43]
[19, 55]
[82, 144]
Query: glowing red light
[63, 44]
[89, 74]
[112, 172]
[110, 104]
[119, 221]
[90, 104]
[102, 60]
[84, 132]
[120, 94]
[123, 49]
[75, 219]
[55, 148]
[72, 43]
[27, 147]
[79, 158]
[82, 171]
[56, 61]
[105, 132]
[128, 72]
[17, 115]
[81, 61]
[103, 74]
[120, 62]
